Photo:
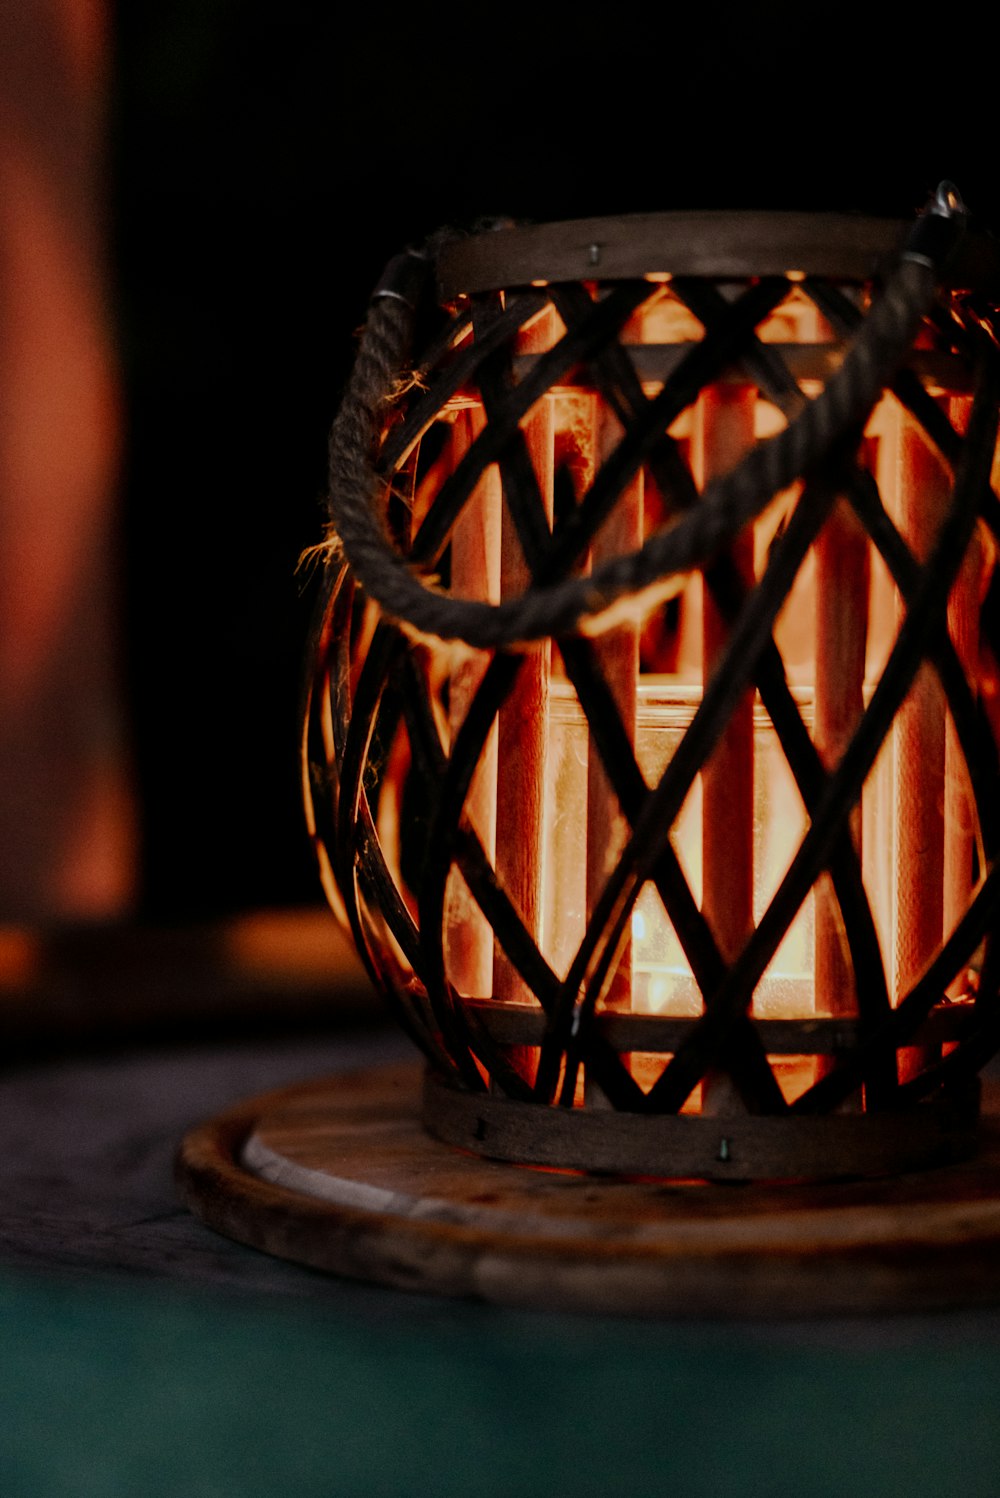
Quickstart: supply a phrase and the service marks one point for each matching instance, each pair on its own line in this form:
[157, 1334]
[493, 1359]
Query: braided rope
[576, 604]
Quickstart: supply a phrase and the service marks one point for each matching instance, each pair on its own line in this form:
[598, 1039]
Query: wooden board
[339, 1175]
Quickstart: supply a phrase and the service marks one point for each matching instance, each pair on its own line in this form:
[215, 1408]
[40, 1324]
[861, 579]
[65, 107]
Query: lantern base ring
[338, 1174]
[736, 1147]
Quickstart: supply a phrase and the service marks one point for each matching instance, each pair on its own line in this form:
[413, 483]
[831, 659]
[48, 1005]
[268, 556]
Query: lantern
[650, 760]
[650, 756]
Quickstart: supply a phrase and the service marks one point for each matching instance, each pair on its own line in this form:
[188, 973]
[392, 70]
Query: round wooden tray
[339, 1175]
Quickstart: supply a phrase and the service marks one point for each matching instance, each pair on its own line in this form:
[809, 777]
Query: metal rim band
[748, 1147]
[719, 245]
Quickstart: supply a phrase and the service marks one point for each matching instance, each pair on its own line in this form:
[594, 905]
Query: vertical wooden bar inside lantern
[843, 574]
[922, 490]
[523, 717]
[475, 573]
[723, 432]
[959, 814]
[617, 652]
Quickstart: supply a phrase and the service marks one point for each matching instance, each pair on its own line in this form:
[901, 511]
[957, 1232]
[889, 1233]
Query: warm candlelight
[690, 853]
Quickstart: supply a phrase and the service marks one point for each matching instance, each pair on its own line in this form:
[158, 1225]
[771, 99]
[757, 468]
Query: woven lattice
[392, 763]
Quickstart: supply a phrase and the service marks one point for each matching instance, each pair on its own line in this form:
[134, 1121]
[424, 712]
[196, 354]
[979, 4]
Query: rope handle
[580, 604]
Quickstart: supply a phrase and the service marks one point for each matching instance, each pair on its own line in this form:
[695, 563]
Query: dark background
[267, 158]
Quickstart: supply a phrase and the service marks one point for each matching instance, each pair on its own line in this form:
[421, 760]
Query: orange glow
[20, 958]
[284, 946]
[834, 633]
[661, 980]
[67, 822]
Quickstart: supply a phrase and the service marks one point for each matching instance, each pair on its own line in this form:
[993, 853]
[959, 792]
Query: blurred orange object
[67, 827]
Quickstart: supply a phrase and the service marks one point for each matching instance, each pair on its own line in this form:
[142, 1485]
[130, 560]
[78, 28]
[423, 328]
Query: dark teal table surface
[143, 1356]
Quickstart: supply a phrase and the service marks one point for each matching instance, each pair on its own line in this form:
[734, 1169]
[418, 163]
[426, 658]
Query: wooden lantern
[650, 748]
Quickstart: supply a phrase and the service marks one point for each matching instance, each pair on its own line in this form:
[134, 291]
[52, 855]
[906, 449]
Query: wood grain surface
[339, 1175]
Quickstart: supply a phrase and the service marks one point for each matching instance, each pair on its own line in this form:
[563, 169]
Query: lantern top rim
[714, 243]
